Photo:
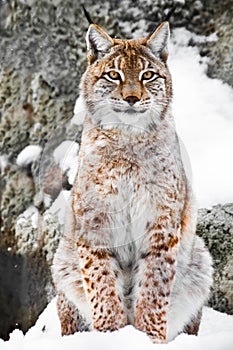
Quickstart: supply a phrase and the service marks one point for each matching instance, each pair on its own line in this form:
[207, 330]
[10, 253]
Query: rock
[215, 226]
[15, 184]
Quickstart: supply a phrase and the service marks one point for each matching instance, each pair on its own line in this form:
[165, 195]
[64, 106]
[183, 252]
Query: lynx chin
[129, 253]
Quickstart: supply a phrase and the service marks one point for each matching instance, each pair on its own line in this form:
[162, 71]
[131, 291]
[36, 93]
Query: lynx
[129, 254]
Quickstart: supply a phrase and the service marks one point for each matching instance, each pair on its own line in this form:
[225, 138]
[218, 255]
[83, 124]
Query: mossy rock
[215, 226]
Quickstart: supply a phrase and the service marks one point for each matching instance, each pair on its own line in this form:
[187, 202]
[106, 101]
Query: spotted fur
[129, 254]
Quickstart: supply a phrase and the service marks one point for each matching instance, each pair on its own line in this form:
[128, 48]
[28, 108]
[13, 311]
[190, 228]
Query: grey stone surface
[216, 227]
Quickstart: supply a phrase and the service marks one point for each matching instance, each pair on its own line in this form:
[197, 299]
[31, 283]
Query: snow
[28, 155]
[215, 334]
[3, 162]
[32, 214]
[180, 1]
[59, 206]
[66, 155]
[204, 119]
[79, 112]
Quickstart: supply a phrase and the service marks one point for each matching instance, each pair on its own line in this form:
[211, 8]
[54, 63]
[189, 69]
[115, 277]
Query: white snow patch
[203, 113]
[37, 126]
[3, 162]
[59, 206]
[215, 334]
[28, 155]
[32, 214]
[180, 1]
[79, 111]
[66, 155]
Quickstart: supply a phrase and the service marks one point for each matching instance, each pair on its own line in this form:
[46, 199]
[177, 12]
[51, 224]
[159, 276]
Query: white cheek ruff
[105, 116]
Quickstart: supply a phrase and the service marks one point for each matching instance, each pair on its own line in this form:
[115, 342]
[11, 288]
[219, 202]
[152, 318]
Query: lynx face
[127, 81]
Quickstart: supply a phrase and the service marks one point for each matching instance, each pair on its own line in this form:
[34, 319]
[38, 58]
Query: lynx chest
[123, 183]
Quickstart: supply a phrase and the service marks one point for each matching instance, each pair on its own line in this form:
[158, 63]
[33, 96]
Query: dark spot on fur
[156, 283]
[145, 255]
[88, 264]
[102, 289]
[112, 294]
[169, 260]
[166, 280]
[101, 254]
[99, 278]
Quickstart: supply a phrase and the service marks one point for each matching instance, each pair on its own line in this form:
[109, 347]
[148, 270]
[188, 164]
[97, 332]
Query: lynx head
[127, 82]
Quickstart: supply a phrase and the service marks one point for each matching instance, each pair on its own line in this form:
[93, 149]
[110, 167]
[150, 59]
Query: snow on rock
[60, 206]
[66, 155]
[204, 119]
[215, 334]
[32, 214]
[3, 162]
[28, 155]
[79, 111]
[180, 1]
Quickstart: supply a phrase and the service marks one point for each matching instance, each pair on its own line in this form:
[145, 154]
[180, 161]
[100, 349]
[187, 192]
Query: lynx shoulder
[129, 253]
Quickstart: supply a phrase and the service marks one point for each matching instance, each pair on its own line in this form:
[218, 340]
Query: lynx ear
[98, 42]
[158, 41]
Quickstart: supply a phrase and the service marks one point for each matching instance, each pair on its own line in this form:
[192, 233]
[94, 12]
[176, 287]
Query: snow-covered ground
[203, 110]
[216, 333]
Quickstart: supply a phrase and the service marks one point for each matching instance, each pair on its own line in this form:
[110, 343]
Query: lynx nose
[131, 100]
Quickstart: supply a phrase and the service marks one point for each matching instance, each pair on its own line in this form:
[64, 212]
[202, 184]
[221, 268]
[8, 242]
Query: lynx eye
[148, 75]
[112, 74]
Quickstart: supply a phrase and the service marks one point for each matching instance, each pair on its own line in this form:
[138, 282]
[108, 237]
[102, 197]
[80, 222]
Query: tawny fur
[129, 254]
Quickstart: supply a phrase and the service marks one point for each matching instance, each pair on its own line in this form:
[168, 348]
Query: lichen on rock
[215, 226]
[17, 194]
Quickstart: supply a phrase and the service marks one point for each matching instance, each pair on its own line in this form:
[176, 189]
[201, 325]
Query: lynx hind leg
[70, 318]
[191, 289]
